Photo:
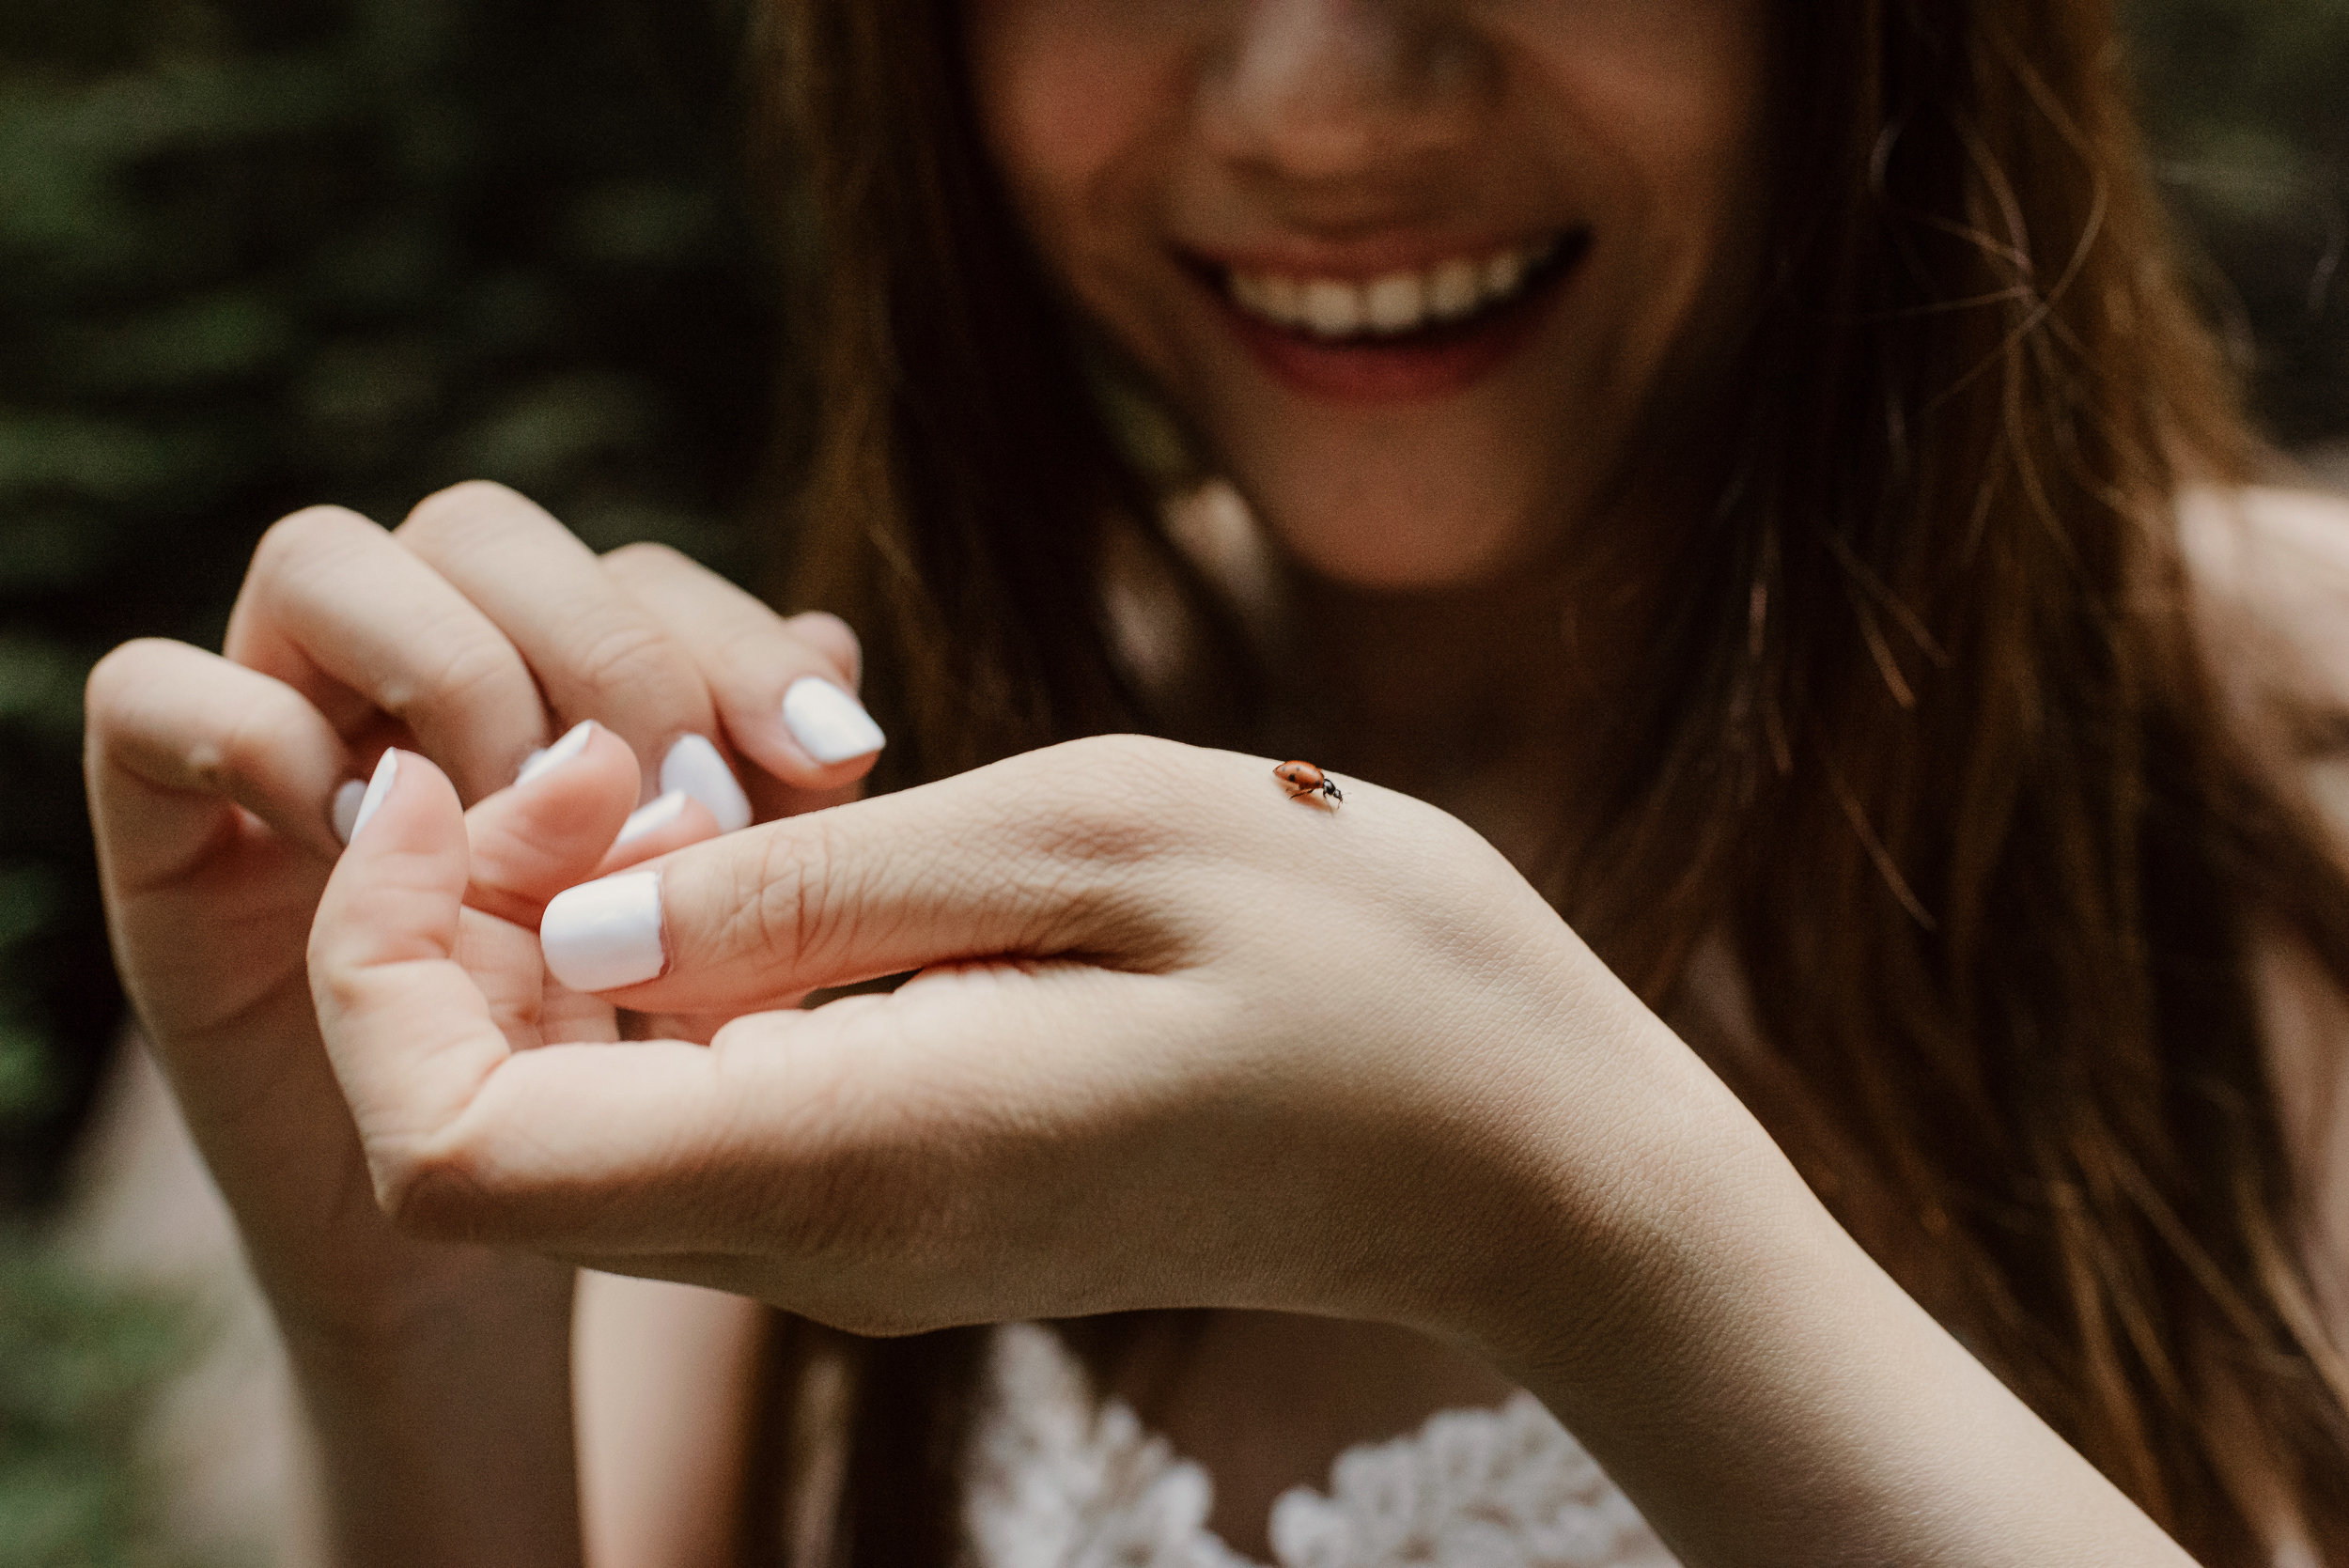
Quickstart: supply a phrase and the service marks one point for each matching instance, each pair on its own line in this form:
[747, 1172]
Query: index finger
[597, 651]
[785, 689]
[334, 608]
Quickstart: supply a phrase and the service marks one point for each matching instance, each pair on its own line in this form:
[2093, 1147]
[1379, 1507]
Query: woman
[1717, 464]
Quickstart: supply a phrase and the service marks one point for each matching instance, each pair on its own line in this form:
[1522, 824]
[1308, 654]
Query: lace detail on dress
[1056, 1481]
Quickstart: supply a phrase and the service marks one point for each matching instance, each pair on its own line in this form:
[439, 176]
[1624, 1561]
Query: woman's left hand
[1176, 1039]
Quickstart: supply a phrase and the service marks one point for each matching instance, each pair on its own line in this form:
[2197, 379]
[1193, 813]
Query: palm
[214, 940]
[211, 943]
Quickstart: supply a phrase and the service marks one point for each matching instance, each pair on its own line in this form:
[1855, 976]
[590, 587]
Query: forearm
[447, 1439]
[1750, 1377]
[434, 1381]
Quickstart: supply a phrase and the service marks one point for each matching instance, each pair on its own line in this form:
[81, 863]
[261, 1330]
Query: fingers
[414, 1041]
[1031, 857]
[482, 612]
[530, 842]
[339, 610]
[174, 732]
[845, 1124]
[598, 652]
[409, 1032]
[670, 822]
[785, 688]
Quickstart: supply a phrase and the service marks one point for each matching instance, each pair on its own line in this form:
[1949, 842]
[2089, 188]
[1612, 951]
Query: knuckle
[238, 746]
[1116, 797]
[623, 653]
[114, 678]
[779, 908]
[240, 750]
[469, 667]
[837, 902]
[644, 560]
[789, 904]
[302, 536]
[461, 508]
[1124, 822]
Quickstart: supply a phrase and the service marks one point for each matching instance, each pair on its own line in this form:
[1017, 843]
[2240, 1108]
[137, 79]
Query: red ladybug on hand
[1303, 778]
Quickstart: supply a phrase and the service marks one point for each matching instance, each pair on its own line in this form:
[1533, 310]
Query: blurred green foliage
[259, 254]
[2247, 103]
[79, 1370]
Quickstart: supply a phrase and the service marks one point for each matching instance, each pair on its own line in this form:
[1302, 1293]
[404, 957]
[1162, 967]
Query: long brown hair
[1931, 662]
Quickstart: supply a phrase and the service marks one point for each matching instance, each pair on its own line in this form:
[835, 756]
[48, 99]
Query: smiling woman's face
[1422, 271]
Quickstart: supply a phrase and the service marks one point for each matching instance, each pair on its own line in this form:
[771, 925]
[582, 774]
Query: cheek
[1065, 90]
[1670, 112]
[1667, 129]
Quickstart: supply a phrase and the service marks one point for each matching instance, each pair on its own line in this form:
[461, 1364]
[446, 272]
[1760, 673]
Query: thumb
[409, 1034]
[419, 1054]
[1034, 857]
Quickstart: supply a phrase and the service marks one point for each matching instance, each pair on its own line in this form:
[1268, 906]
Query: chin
[1420, 553]
[1420, 499]
[1397, 522]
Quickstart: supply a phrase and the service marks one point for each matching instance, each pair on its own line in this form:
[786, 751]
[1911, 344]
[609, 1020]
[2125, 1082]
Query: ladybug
[1303, 778]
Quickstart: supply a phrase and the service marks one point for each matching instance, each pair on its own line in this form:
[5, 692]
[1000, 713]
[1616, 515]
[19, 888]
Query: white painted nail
[605, 934]
[573, 742]
[378, 789]
[831, 726]
[346, 812]
[694, 767]
[652, 818]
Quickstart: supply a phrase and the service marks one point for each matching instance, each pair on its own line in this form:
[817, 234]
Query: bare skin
[1323, 140]
[1331, 139]
[213, 781]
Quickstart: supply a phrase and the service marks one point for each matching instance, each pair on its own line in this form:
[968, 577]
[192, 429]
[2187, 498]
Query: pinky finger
[175, 730]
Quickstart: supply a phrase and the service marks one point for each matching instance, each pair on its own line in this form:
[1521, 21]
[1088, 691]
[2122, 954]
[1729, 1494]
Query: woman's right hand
[475, 633]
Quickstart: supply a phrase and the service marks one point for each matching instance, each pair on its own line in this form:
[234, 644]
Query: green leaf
[40, 686]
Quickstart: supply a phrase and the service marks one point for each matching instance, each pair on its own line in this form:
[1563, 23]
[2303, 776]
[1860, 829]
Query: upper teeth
[1397, 302]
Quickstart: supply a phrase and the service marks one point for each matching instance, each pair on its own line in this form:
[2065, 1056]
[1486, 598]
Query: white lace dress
[1057, 1481]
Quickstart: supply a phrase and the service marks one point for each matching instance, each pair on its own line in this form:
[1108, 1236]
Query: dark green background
[257, 254]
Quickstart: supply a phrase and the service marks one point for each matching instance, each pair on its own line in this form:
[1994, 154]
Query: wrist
[441, 1432]
[1759, 1387]
[1614, 1171]
[400, 1295]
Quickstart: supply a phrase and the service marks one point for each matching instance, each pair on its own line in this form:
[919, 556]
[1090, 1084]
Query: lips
[1399, 334]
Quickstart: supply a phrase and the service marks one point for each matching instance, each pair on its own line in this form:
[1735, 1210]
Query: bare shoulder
[2270, 569]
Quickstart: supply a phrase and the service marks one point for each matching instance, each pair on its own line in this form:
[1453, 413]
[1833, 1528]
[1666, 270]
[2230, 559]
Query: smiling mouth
[1453, 297]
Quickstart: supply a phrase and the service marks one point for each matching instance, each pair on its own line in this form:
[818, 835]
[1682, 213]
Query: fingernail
[651, 818]
[829, 725]
[605, 934]
[378, 789]
[694, 767]
[555, 756]
[346, 812]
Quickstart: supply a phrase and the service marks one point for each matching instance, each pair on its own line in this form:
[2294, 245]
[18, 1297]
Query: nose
[1322, 90]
